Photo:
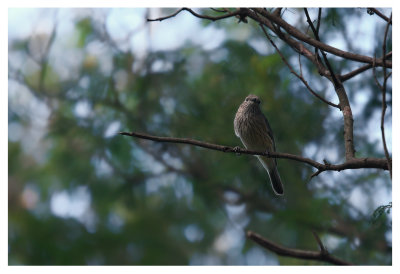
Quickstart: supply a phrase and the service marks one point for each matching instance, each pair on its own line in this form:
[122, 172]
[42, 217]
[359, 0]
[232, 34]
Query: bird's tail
[270, 166]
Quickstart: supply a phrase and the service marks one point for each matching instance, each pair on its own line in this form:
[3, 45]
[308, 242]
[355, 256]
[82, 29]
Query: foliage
[79, 193]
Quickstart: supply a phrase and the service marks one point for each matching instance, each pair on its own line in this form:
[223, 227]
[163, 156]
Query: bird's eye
[258, 101]
[247, 99]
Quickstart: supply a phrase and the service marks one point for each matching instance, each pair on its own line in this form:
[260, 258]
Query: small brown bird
[253, 129]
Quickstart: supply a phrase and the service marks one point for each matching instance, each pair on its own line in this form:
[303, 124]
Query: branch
[371, 11]
[317, 30]
[319, 20]
[212, 18]
[295, 73]
[384, 106]
[316, 35]
[296, 45]
[343, 100]
[322, 255]
[355, 72]
[351, 164]
[320, 244]
[305, 38]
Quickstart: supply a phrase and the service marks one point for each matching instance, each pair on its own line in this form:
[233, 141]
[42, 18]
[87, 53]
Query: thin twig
[317, 30]
[295, 73]
[351, 164]
[218, 10]
[319, 19]
[316, 35]
[382, 87]
[320, 244]
[384, 105]
[322, 256]
[301, 69]
[212, 18]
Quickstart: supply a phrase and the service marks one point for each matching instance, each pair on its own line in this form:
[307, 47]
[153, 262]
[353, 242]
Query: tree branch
[343, 100]
[320, 244]
[296, 45]
[355, 72]
[316, 35]
[313, 42]
[384, 105]
[319, 20]
[295, 73]
[323, 255]
[351, 164]
[381, 15]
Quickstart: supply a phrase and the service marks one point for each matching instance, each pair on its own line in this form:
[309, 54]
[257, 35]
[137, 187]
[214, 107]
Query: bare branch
[319, 20]
[305, 38]
[355, 72]
[351, 164]
[212, 18]
[218, 10]
[384, 105]
[381, 15]
[295, 73]
[166, 17]
[322, 256]
[317, 30]
[383, 90]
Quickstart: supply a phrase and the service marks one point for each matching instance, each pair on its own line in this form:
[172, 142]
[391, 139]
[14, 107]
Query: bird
[253, 129]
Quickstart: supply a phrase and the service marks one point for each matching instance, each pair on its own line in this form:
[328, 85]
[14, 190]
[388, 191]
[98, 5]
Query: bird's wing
[270, 134]
[269, 130]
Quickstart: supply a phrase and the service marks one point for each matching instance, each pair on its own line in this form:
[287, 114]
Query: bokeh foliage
[148, 203]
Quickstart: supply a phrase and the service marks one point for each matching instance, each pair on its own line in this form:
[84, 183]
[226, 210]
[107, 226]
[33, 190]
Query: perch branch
[351, 164]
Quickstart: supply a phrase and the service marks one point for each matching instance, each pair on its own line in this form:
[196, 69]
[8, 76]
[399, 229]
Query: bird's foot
[237, 150]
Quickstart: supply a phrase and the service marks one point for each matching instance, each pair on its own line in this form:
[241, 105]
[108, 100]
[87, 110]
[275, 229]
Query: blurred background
[80, 194]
